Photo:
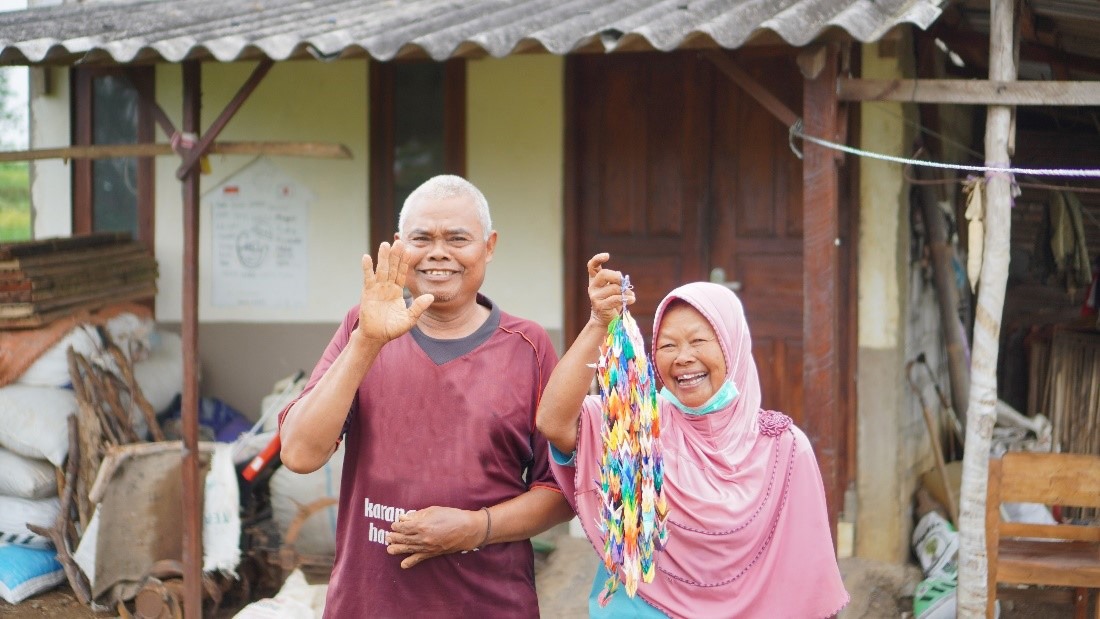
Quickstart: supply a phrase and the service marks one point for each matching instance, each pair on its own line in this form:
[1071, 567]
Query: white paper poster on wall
[259, 231]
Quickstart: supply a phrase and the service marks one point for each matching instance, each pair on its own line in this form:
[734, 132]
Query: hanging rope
[796, 132]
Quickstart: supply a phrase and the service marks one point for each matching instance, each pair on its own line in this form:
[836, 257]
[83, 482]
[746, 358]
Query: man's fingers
[420, 305]
[383, 267]
[414, 559]
[368, 268]
[396, 254]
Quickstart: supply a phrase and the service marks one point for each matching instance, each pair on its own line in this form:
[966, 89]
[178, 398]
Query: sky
[13, 136]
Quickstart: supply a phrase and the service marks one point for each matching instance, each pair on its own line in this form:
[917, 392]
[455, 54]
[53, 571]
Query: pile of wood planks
[43, 280]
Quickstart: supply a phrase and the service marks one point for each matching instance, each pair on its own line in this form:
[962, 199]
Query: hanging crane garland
[633, 514]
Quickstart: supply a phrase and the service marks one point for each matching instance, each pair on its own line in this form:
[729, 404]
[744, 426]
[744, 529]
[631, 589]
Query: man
[443, 465]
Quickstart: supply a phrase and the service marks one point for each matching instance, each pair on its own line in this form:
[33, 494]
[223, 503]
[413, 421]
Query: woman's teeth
[690, 380]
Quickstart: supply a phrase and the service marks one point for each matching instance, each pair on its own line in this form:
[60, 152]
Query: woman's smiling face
[688, 356]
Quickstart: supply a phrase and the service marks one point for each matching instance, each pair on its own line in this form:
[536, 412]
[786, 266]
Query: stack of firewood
[43, 280]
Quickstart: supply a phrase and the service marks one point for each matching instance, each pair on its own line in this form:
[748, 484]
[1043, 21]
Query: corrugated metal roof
[227, 30]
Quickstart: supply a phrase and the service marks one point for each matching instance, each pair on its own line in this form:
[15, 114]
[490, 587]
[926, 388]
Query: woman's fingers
[595, 263]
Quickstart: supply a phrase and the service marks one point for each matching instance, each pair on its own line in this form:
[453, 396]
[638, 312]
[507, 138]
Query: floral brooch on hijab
[633, 513]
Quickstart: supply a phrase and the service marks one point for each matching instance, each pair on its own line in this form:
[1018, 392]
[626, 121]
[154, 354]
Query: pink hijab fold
[748, 529]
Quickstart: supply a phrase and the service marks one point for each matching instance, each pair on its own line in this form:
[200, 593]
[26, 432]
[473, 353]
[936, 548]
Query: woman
[748, 529]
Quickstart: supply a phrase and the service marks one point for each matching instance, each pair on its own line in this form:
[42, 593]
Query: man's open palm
[382, 312]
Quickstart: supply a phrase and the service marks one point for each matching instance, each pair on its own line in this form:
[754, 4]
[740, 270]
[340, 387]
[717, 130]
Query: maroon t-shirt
[460, 433]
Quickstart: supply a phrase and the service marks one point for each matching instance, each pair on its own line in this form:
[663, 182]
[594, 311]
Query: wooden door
[675, 172]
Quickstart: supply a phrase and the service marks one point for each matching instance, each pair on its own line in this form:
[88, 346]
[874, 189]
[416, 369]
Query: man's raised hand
[382, 312]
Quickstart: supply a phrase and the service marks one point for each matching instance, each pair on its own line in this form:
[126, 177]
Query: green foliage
[15, 200]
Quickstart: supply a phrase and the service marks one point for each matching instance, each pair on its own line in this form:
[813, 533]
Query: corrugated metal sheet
[175, 30]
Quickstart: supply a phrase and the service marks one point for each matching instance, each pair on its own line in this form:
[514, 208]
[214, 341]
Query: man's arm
[436, 531]
[311, 427]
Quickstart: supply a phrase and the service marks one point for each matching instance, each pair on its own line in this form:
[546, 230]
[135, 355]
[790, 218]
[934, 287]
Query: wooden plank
[970, 92]
[72, 257]
[321, 150]
[38, 320]
[821, 283]
[26, 310]
[753, 88]
[41, 278]
[192, 157]
[60, 244]
[81, 287]
[1051, 531]
[1052, 479]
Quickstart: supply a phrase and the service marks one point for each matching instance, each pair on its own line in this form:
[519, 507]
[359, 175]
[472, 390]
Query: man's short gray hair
[446, 186]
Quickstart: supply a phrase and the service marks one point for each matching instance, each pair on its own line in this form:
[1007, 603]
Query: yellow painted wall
[515, 114]
[297, 101]
[882, 204]
[514, 154]
[51, 179]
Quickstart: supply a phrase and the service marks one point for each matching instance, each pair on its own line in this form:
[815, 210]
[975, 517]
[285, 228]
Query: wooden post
[981, 413]
[822, 417]
[192, 484]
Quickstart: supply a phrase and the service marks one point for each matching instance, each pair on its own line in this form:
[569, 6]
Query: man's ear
[490, 245]
[397, 236]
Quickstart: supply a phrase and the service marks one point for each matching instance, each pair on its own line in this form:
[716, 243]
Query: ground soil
[564, 578]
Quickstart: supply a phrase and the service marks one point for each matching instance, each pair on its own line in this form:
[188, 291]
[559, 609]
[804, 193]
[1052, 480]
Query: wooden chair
[1057, 555]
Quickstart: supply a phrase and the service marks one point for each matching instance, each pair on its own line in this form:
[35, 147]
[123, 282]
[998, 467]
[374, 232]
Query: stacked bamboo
[43, 280]
[1072, 391]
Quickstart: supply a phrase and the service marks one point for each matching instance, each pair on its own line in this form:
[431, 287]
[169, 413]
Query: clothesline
[796, 132]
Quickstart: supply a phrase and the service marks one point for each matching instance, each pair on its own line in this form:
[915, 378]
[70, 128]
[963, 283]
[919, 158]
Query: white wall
[296, 101]
[515, 116]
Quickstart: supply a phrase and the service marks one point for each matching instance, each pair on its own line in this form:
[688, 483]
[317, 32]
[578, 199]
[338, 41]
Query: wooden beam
[821, 271]
[189, 408]
[970, 92]
[223, 119]
[753, 88]
[324, 150]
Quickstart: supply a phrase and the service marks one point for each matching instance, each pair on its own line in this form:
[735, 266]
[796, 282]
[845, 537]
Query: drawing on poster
[259, 231]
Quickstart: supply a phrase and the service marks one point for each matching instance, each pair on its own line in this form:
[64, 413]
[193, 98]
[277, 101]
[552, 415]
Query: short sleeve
[332, 351]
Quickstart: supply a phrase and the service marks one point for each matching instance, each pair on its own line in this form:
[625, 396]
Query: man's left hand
[434, 531]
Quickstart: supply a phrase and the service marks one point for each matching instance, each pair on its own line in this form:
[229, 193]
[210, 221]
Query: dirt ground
[564, 578]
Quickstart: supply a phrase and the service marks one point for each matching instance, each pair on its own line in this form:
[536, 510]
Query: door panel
[639, 171]
[676, 171]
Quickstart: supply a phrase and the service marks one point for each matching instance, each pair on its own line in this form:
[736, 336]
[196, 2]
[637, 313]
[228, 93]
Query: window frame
[382, 218]
[143, 80]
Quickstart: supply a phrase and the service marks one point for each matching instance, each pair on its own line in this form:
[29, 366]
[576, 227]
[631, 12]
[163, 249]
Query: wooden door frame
[83, 216]
[380, 125]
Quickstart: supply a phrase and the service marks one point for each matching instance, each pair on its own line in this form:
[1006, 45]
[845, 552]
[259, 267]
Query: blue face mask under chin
[721, 399]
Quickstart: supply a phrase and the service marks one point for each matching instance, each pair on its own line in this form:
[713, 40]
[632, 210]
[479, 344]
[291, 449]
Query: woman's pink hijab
[749, 533]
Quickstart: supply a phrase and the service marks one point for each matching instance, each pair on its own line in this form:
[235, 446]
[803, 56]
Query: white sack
[160, 377]
[52, 368]
[32, 421]
[221, 528]
[26, 478]
[290, 491]
[15, 513]
[132, 334]
[297, 599]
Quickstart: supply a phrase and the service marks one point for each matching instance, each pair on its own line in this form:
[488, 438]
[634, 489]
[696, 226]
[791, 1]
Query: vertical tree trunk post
[981, 414]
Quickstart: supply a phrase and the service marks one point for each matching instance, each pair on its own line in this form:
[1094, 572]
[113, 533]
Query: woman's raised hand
[605, 290]
[382, 312]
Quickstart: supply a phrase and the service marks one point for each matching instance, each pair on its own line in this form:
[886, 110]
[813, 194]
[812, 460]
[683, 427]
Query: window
[113, 195]
[417, 130]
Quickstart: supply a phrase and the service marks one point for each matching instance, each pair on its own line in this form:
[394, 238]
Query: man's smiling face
[447, 250]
